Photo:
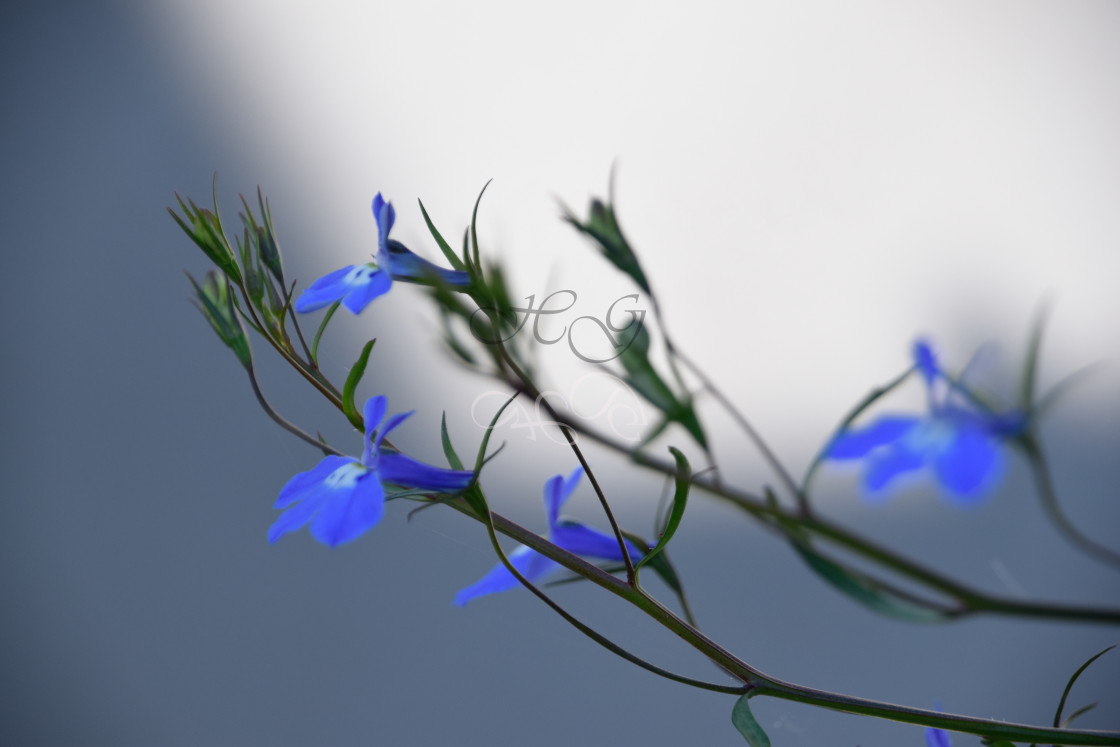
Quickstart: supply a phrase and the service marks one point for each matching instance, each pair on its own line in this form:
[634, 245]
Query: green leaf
[448, 449]
[1073, 679]
[203, 228]
[319, 332]
[602, 227]
[443, 245]
[266, 234]
[865, 589]
[1078, 713]
[680, 499]
[644, 379]
[351, 386]
[215, 301]
[747, 725]
[474, 225]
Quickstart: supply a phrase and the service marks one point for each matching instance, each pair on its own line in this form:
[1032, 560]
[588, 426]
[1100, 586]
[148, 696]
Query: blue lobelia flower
[343, 497]
[957, 440]
[357, 285]
[573, 537]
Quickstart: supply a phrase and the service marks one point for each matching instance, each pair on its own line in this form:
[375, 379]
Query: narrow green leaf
[602, 227]
[319, 332]
[443, 245]
[1073, 679]
[474, 225]
[1078, 713]
[448, 449]
[865, 589]
[680, 500]
[351, 386]
[747, 725]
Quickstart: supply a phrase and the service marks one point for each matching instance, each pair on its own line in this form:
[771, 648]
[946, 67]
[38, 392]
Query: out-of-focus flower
[572, 536]
[357, 285]
[937, 738]
[958, 441]
[343, 497]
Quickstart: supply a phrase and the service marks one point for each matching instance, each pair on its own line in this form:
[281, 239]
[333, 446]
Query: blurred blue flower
[956, 439]
[573, 537]
[937, 738]
[357, 285]
[343, 497]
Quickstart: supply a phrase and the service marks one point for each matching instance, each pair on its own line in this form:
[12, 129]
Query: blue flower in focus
[343, 497]
[957, 441]
[573, 537]
[357, 285]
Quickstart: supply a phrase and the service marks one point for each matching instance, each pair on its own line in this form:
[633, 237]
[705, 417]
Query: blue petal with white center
[358, 285]
[959, 443]
[573, 537]
[342, 497]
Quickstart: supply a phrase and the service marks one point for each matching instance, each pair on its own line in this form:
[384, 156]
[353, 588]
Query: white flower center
[345, 476]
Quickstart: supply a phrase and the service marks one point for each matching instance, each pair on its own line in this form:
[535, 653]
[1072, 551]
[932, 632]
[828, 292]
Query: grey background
[143, 606]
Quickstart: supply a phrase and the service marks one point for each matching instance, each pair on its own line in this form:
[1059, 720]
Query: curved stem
[282, 422]
[759, 683]
[317, 380]
[567, 431]
[594, 635]
[1045, 483]
[773, 517]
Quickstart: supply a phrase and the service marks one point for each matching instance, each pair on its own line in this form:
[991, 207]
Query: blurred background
[810, 187]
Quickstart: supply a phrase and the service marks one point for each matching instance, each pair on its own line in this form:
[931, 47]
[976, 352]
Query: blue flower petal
[587, 542]
[885, 467]
[305, 483]
[390, 423]
[967, 464]
[925, 360]
[373, 282]
[385, 216]
[937, 738]
[298, 515]
[325, 291]
[556, 492]
[352, 509]
[530, 563]
[403, 263]
[399, 469]
[856, 444]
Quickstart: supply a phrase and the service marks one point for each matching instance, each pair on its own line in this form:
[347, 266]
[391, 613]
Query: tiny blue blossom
[958, 441]
[343, 497]
[573, 537]
[357, 285]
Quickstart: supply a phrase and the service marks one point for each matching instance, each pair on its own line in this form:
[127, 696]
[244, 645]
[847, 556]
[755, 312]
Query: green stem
[1045, 484]
[759, 683]
[774, 517]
